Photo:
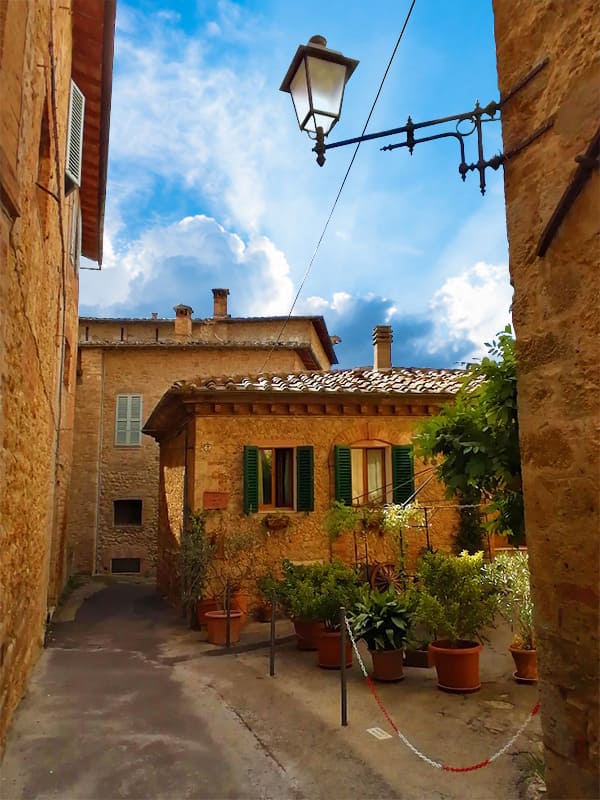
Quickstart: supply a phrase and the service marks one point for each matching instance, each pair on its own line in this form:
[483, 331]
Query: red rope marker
[422, 756]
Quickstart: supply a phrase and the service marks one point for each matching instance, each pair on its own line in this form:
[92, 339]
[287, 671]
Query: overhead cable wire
[335, 202]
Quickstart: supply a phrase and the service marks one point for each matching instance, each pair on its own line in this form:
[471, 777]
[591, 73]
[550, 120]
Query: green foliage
[454, 599]
[508, 574]
[316, 591]
[382, 619]
[196, 555]
[339, 519]
[471, 530]
[267, 583]
[478, 439]
[237, 563]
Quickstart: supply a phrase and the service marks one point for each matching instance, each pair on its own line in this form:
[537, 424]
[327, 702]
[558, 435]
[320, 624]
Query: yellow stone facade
[40, 51]
[556, 305]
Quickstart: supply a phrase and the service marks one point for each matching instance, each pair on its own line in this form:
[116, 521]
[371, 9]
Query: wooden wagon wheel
[384, 576]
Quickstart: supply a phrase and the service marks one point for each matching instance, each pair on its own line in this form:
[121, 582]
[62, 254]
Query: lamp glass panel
[299, 92]
[327, 81]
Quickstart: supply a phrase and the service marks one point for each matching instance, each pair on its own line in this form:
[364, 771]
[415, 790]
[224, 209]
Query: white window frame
[128, 423]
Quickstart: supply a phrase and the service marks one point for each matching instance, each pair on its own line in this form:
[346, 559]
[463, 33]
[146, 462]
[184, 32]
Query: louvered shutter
[122, 419]
[135, 419]
[250, 479]
[305, 499]
[75, 135]
[403, 475]
[343, 474]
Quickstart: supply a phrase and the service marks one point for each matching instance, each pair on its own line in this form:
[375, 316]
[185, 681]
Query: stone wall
[215, 465]
[38, 334]
[556, 316]
[104, 471]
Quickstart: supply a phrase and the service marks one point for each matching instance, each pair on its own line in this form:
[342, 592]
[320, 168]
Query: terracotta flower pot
[329, 647]
[387, 665]
[217, 626]
[418, 658]
[202, 606]
[239, 602]
[526, 664]
[457, 667]
[264, 612]
[307, 632]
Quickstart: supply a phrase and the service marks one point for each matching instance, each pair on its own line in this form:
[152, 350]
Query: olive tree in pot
[382, 620]
[338, 587]
[456, 601]
[509, 575]
[297, 595]
[196, 555]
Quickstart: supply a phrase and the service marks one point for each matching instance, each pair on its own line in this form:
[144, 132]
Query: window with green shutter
[403, 473]
[305, 494]
[343, 474]
[128, 423]
[273, 474]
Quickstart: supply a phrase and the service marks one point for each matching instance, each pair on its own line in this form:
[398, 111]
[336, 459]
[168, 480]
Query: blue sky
[211, 184]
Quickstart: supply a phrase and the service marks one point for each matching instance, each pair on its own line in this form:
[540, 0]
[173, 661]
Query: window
[278, 477]
[128, 426]
[127, 512]
[125, 565]
[378, 474]
[74, 138]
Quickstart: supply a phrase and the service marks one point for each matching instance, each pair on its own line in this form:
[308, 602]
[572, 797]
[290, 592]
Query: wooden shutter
[305, 498]
[343, 474]
[135, 419]
[250, 479]
[403, 475]
[75, 136]
[121, 420]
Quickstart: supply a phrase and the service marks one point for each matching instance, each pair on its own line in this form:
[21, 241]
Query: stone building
[124, 366]
[552, 191]
[55, 92]
[249, 449]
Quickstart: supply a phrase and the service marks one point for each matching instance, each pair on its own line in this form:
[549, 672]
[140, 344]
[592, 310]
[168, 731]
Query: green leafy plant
[235, 565]
[455, 598]
[477, 438]
[339, 519]
[338, 587]
[381, 619]
[509, 575]
[196, 556]
[471, 529]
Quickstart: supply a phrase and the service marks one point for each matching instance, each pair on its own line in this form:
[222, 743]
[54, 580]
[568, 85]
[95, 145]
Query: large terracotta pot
[239, 602]
[307, 632]
[216, 622]
[457, 667]
[387, 665]
[329, 647]
[526, 664]
[202, 606]
[418, 658]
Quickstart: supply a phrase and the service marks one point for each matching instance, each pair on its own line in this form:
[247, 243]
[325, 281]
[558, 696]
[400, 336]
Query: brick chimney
[220, 302]
[382, 345]
[183, 320]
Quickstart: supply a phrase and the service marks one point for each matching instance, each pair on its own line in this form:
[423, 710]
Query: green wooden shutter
[250, 479]
[135, 419]
[121, 419]
[403, 474]
[305, 495]
[343, 473]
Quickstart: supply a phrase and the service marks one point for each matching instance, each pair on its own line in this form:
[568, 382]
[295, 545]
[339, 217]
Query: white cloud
[473, 305]
[182, 262]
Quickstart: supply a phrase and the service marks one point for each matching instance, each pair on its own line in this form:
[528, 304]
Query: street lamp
[316, 79]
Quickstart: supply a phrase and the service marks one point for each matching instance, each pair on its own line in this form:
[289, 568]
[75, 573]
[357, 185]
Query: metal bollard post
[343, 682]
[272, 650]
[228, 616]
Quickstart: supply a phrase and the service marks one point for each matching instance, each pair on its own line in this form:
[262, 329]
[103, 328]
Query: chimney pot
[382, 346]
[183, 320]
[155, 315]
[220, 302]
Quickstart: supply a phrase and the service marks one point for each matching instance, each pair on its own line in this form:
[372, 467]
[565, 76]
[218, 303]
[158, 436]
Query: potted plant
[340, 518]
[509, 575]
[339, 586]
[230, 571]
[455, 600]
[297, 595]
[266, 584]
[196, 555]
[382, 620]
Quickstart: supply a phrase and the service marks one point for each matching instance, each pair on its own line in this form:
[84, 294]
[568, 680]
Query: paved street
[128, 703]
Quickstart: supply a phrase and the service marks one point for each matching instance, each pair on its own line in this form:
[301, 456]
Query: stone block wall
[556, 318]
[215, 464]
[38, 332]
